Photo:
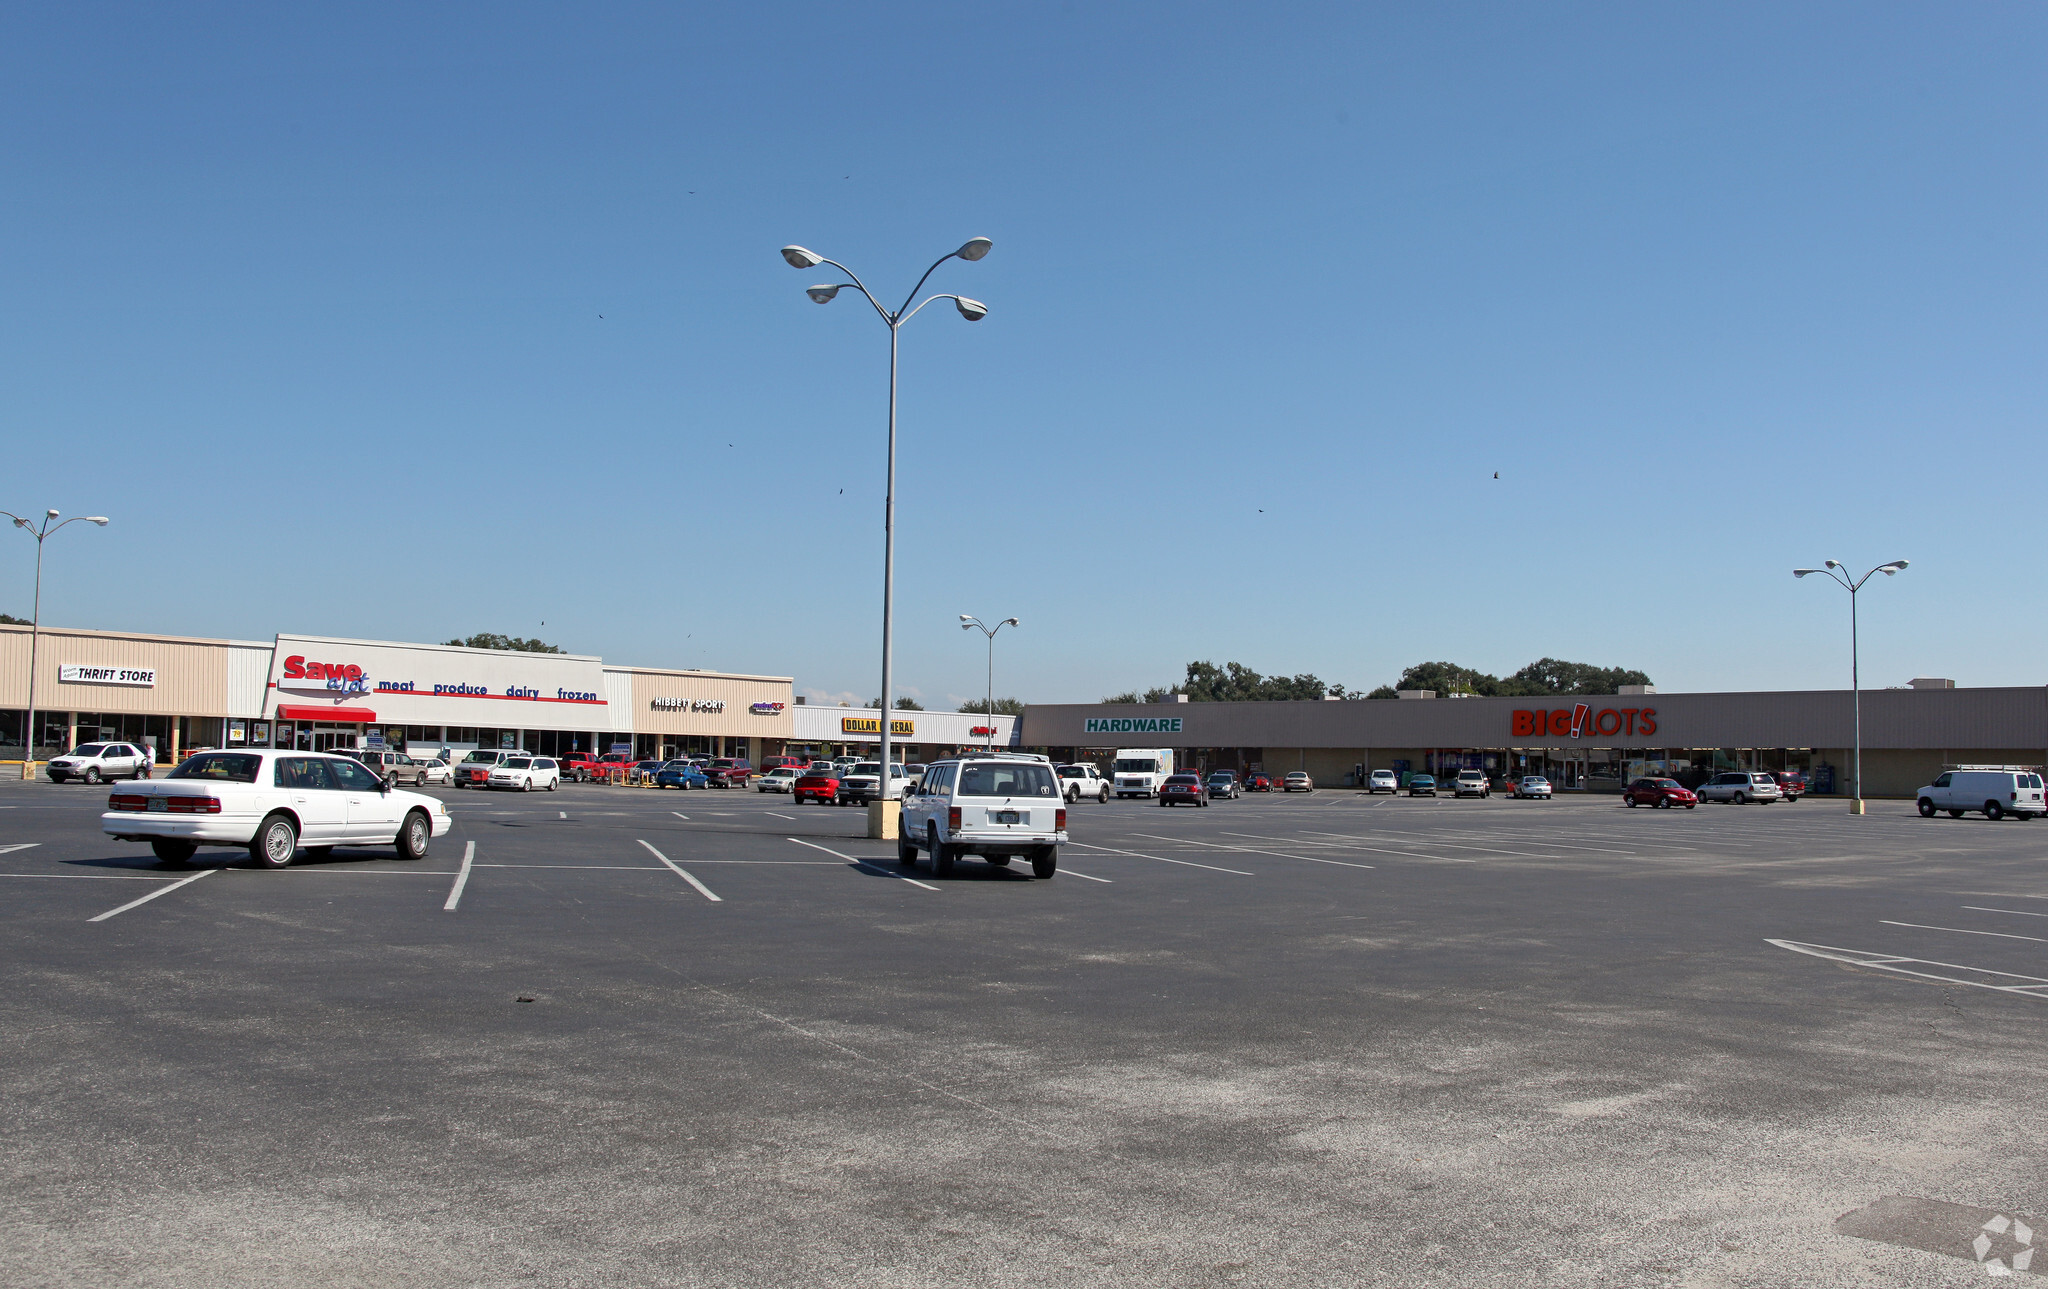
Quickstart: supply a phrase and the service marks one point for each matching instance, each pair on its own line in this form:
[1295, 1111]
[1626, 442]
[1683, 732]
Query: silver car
[93, 762]
[1741, 787]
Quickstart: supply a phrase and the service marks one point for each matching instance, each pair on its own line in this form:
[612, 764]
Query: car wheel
[1073, 795]
[1955, 814]
[1926, 808]
[92, 774]
[1631, 802]
[1993, 811]
[1102, 798]
[906, 850]
[1045, 861]
[276, 841]
[172, 853]
[414, 836]
[1740, 799]
[942, 859]
[553, 784]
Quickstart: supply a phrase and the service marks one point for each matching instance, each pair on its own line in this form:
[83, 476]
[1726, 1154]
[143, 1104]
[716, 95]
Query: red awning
[300, 712]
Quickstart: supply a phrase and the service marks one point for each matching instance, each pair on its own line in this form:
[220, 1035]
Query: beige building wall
[191, 674]
[738, 693]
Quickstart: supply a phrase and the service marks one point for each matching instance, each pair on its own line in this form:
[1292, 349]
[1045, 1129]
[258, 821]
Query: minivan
[1742, 787]
[1993, 793]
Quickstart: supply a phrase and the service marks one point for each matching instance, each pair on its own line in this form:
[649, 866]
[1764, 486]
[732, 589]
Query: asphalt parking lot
[610, 1036]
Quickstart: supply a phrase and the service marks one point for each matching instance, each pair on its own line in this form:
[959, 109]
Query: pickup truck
[1082, 780]
[728, 772]
[577, 767]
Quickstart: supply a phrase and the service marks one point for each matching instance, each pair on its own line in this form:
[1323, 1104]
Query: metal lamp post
[967, 622]
[35, 630]
[973, 311]
[1840, 576]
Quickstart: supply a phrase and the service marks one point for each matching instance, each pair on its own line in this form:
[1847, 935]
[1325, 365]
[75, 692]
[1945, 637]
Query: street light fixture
[35, 630]
[970, 622]
[1836, 573]
[972, 310]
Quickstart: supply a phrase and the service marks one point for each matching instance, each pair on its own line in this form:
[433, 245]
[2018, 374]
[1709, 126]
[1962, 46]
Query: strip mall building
[317, 692]
[1595, 743]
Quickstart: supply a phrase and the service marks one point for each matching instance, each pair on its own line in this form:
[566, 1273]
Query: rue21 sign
[1133, 725]
[1581, 721]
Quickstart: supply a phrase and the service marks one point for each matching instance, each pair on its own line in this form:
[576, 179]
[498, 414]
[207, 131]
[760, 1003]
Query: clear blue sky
[308, 299]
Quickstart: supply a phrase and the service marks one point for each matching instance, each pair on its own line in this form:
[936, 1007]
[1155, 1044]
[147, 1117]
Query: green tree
[903, 704]
[1555, 676]
[1004, 706]
[509, 644]
[8, 619]
[1448, 678]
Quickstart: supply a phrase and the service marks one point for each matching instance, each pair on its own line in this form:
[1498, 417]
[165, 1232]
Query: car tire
[1045, 861]
[942, 859]
[1955, 814]
[906, 850]
[414, 836]
[275, 842]
[1994, 811]
[92, 775]
[172, 853]
[1631, 802]
[1739, 799]
[1926, 808]
[1102, 798]
[554, 783]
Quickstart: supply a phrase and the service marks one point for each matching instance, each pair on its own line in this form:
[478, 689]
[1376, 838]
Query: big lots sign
[1581, 721]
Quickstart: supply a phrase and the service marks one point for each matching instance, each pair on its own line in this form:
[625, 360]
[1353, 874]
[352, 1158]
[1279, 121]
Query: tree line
[1206, 682]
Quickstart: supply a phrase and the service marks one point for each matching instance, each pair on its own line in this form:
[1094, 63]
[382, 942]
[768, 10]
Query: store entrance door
[334, 738]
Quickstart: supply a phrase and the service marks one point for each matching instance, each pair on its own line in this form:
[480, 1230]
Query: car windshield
[822, 771]
[518, 762]
[90, 749]
[1006, 779]
[1663, 783]
[480, 757]
[224, 767]
[867, 767]
[1137, 765]
[1221, 776]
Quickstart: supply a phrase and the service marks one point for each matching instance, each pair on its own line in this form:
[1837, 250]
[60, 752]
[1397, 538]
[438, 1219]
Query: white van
[1140, 770]
[1995, 793]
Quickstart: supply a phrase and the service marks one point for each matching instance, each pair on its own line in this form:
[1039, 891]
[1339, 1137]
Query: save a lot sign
[1133, 725]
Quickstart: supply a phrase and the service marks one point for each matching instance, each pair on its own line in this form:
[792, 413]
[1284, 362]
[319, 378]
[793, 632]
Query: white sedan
[526, 774]
[780, 779]
[434, 770]
[272, 802]
[1532, 787]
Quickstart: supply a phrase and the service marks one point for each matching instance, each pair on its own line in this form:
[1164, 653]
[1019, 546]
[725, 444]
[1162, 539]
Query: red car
[820, 783]
[777, 762]
[1660, 794]
[1182, 787]
[1791, 782]
[1259, 783]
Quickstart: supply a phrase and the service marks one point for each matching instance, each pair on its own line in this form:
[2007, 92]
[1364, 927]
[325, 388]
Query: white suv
[1471, 783]
[526, 774]
[1742, 787]
[994, 805]
[93, 762]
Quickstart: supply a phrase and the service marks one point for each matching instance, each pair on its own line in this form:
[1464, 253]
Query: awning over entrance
[300, 712]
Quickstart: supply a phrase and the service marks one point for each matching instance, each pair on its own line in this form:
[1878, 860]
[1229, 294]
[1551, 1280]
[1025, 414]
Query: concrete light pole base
[883, 817]
[1856, 806]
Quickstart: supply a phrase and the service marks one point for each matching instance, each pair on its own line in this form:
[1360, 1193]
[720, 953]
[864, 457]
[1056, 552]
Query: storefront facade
[914, 736]
[324, 693]
[1591, 743]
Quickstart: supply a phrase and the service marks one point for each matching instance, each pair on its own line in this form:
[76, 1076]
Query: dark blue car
[680, 774]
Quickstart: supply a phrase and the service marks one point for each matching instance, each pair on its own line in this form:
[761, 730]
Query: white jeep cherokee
[995, 805]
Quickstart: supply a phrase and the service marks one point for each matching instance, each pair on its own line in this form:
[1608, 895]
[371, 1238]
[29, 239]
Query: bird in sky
[1496, 474]
[842, 492]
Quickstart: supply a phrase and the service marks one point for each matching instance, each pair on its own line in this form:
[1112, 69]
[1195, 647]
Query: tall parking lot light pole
[973, 311]
[1840, 576]
[968, 621]
[35, 630]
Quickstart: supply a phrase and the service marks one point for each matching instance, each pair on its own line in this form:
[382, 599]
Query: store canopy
[301, 712]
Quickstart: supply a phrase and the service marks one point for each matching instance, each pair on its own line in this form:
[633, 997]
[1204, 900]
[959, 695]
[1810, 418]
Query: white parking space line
[563, 813]
[1405, 854]
[702, 889]
[1432, 840]
[791, 818]
[1071, 873]
[1253, 850]
[2018, 913]
[162, 890]
[20, 845]
[2002, 935]
[2036, 986]
[1111, 850]
[461, 877]
[862, 863]
[679, 814]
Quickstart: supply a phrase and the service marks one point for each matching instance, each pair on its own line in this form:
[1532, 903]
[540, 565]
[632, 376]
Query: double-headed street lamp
[973, 311]
[967, 622]
[35, 630]
[1840, 576]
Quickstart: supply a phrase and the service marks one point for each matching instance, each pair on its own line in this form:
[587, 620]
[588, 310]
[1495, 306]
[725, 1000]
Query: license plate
[1006, 816]
[158, 804]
